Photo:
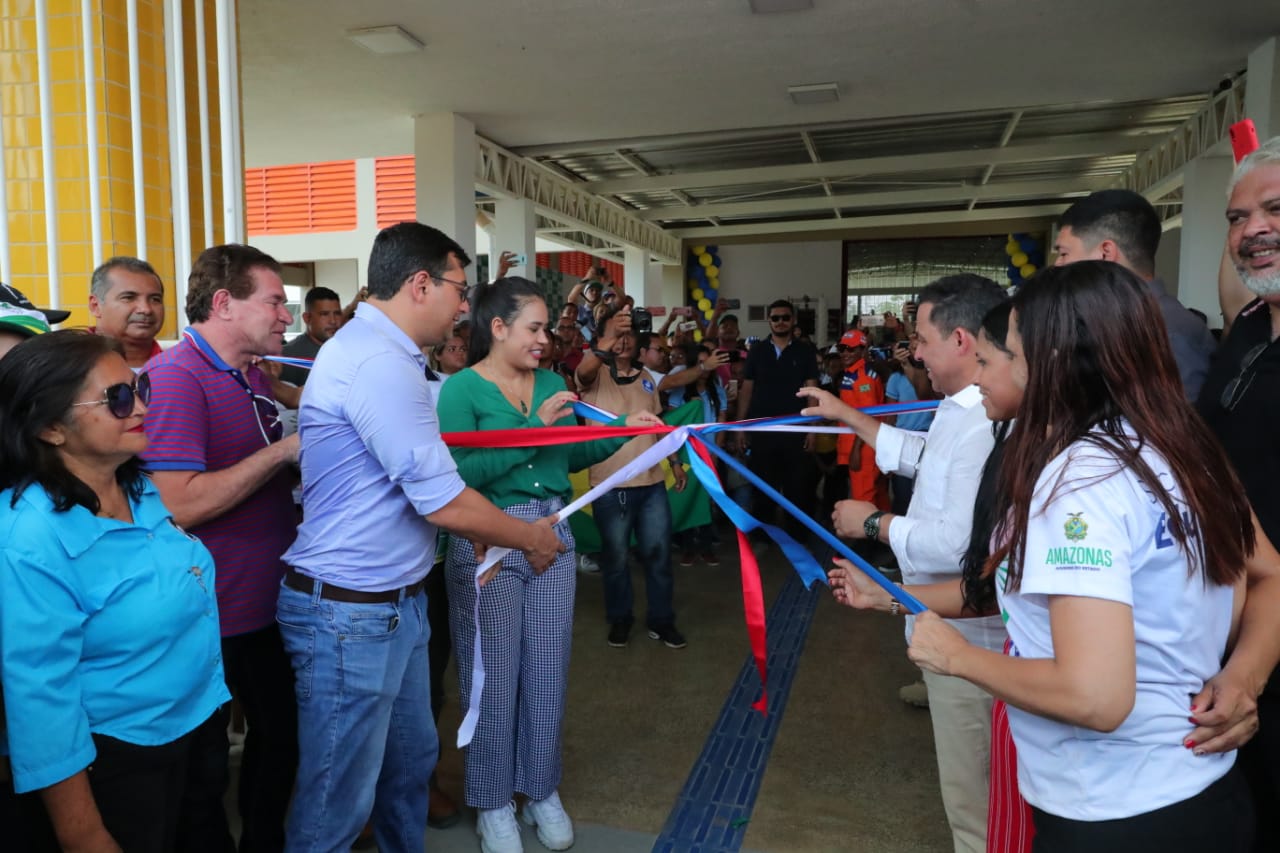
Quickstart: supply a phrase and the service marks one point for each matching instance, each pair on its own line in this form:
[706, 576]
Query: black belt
[302, 583]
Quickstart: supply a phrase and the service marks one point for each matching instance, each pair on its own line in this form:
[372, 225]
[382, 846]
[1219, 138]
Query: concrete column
[672, 285]
[1204, 232]
[1262, 95]
[644, 280]
[444, 150]
[515, 229]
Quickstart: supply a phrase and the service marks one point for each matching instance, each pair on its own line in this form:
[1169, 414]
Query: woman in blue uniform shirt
[109, 647]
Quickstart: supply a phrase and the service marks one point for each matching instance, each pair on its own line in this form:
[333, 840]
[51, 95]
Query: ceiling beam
[1008, 191]
[1004, 141]
[1079, 145]
[810, 147]
[854, 223]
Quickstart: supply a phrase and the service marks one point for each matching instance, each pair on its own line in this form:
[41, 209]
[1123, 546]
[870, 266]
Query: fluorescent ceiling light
[815, 93]
[383, 40]
[770, 7]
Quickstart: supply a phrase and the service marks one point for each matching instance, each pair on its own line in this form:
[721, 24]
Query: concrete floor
[852, 768]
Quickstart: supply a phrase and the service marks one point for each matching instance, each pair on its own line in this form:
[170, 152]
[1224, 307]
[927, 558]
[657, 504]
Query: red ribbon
[752, 593]
[543, 436]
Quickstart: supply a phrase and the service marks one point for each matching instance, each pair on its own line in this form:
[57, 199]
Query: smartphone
[734, 304]
[1244, 139]
[902, 345]
[687, 326]
[520, 260]
[734, 355]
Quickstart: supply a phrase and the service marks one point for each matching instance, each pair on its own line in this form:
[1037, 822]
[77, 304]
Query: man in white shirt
[930, 540]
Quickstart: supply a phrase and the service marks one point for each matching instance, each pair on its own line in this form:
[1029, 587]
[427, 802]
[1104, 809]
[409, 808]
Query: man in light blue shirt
[377, 481]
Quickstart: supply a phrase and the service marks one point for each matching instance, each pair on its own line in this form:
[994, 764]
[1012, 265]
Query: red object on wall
[394, 191]
[542, 260]
[301, 199]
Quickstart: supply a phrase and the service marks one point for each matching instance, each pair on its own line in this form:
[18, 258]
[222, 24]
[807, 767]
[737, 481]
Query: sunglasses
[119, 398]
[779, 318]
[1239, 386]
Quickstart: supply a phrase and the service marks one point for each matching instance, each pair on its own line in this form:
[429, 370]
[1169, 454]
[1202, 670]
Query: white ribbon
[665, 446]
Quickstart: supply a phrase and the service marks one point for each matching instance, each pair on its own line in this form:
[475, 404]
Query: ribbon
[304, 363]
[665, 447]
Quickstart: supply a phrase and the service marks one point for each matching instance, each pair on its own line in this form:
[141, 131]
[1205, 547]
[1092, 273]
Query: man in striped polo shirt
[217, 457]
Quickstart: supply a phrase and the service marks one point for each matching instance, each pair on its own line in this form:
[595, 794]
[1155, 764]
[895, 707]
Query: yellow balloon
[704, 259]
[693, 282]
[1027, 270]
[698, 250]
[697, 293]
[709, 313]
[704, 304]
[697, 335]
[1012, 248]
[1019, 259]
[713, 272]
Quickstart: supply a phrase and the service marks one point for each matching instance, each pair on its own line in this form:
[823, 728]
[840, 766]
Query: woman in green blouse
[525, 618]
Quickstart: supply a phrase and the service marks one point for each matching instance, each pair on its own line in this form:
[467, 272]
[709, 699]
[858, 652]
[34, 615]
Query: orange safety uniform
[859, 388]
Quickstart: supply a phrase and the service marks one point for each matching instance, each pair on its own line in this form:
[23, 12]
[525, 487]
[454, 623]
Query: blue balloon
[1027, 244]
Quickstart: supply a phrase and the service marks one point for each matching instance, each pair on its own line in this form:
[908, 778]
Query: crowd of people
[1087, 517]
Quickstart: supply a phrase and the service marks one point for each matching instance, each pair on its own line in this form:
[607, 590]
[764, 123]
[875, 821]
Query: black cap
[14, 297]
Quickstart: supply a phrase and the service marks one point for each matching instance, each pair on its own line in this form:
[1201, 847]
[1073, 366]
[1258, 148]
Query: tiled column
[24, 207]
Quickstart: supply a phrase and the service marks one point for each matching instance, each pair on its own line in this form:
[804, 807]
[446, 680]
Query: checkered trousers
[526, 625]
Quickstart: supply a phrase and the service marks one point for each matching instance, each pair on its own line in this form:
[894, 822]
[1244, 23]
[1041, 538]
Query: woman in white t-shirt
[1115, 492]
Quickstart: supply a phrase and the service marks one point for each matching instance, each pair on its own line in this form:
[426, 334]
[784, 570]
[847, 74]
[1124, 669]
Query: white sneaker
[555, 830]
[498, 830]
[587, 566]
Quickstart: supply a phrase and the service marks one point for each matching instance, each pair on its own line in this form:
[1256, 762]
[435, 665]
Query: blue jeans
[644, 511]
[366, 737]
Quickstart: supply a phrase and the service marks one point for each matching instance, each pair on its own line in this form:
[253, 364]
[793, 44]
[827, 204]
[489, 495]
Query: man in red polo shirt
[859, 388]
[126, 297]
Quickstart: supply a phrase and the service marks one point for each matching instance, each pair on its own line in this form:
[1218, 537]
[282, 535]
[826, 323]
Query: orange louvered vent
[301, 199]
[394, 189]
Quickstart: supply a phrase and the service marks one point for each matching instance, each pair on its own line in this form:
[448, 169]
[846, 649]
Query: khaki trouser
[961, 715]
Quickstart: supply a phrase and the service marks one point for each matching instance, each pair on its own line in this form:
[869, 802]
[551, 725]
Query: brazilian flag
[690, 508]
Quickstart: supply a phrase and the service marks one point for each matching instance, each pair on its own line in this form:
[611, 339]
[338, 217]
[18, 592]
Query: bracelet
[895, 607]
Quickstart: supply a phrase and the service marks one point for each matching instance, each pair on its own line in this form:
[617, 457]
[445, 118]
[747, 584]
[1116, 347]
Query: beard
[1262, 284]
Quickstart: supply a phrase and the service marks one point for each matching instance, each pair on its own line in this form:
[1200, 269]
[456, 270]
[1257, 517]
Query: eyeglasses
[1239, 386]
[119, 398]
[779, 318]
[464, 290]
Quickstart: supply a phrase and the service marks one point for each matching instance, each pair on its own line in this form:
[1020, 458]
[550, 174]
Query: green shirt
[514, 475]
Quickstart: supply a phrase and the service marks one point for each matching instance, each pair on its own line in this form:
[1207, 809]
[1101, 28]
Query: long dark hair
[691, 352]
[977, 587]
[503, 299]
[39, 380]
[1090, 370]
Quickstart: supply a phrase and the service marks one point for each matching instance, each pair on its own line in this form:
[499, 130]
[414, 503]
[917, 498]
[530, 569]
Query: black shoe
[668, 634]
[619, 634]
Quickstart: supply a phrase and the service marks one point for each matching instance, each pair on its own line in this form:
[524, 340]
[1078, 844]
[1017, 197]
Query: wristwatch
[871, 527]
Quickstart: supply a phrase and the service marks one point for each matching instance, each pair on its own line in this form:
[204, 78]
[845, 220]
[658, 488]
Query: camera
[641, 320]
[880, 353]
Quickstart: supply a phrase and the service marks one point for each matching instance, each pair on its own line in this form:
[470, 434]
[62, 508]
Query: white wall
[760, 273]
[341, 276]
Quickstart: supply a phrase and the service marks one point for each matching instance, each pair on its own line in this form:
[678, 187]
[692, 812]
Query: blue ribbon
[806, 566]
[910, 602]
[804, 563]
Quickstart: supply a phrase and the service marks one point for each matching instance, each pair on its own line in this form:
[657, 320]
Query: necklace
[513, 393]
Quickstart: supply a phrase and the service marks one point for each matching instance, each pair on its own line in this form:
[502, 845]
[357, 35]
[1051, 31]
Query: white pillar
[366, 214]
[514, 230]
[1262, 95]
[1204, 232]
[444, 149]
[644, 279]
[672, 285]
